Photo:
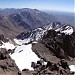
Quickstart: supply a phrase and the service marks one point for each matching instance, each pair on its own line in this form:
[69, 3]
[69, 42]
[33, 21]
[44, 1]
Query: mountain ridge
[16, 21]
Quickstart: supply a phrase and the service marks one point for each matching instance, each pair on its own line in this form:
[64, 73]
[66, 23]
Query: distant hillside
[63, 17]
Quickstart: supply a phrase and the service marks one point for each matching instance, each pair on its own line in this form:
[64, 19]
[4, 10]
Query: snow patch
[37, 34]
[72, 68]
[67, 30]
[7, 45]
[21, 42]
[23, 57]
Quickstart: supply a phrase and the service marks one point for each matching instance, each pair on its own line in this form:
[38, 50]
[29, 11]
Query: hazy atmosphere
[61, 5]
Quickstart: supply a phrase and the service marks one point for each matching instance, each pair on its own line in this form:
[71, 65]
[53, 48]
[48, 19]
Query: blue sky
[61, 5]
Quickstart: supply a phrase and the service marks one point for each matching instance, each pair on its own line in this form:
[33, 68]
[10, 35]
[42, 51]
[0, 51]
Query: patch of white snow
[23, 57]
[72, 68]
[20, 42]
[68, 30]
[7, 45]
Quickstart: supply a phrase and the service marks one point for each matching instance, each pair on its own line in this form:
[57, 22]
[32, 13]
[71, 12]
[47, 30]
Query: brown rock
[7, 65]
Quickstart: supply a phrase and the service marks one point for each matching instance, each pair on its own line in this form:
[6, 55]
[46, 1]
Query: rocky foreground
[7, 65]
[56, 51]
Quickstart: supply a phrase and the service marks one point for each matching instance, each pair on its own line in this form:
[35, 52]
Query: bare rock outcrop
[7, 65]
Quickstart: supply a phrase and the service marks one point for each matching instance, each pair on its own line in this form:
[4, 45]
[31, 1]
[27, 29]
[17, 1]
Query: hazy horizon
[55, 5]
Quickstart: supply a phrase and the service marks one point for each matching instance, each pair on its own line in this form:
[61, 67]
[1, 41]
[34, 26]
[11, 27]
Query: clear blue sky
[62, 5]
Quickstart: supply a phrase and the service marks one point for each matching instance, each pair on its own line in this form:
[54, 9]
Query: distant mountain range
[15, 21]
[63, 17]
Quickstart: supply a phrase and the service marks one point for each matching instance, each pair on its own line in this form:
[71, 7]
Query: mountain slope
[32, 17]
[8, 27]
[15, 21]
